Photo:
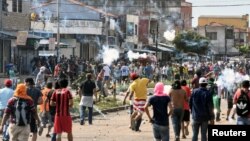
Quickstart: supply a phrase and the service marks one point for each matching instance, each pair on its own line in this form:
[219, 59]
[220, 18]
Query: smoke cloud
[132, 56]
[109, 55]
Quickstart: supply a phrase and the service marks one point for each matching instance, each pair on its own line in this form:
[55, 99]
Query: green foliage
[191, 42]
[109, 103]
[244, 49]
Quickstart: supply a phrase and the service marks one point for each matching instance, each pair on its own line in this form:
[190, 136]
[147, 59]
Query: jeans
[82, 113]
[161, 133]
[196, 125]
[177, 117]
[243, 120]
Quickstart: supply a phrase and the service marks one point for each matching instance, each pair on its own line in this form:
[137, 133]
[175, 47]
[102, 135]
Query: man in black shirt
[87, 90]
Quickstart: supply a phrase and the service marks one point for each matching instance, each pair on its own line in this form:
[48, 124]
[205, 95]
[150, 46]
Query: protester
[186, 116]
[5, 94]
[138, 90]
[20, 109]
[36, 96]
[87, 91]
[63, 100]
[178, 97]
[45, 109]
[201, 106]
[160, 120]
[242, 97]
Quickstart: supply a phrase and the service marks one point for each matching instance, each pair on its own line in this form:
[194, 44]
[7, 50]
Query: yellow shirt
[139, 87]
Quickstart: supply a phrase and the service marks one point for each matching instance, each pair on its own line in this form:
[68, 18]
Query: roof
[71, 9]
[220, 16]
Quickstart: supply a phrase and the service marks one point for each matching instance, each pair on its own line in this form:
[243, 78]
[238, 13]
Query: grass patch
[108, 103]
[104, 104]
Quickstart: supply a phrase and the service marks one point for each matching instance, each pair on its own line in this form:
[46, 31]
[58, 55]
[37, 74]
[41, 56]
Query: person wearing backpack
[242, 101]
[5, 94]
[20, 109]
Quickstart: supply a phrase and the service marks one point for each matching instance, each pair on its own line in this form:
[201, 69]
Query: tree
[244, 49]
[191, 42]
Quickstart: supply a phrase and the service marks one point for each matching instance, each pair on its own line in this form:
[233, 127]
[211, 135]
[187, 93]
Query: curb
[115, 109]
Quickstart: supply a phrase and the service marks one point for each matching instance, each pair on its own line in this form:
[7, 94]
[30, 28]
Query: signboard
[46, 53]
[21, 38]
[52, 44]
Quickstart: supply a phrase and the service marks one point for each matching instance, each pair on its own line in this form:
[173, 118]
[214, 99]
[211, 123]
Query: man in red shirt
[63, 100]
[186, 116]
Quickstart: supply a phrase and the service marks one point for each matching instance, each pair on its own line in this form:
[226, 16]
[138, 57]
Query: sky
[221, 10]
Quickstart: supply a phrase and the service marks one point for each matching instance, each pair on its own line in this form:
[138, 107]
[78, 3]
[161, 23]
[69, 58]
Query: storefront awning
[7, 35]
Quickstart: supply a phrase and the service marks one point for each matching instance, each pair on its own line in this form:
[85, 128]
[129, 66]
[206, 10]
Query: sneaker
[48, 135]
[81, 122]
[227, 118]
[233, 117]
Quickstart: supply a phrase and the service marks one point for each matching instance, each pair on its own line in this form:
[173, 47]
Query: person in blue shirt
[201, 106]
[5, 94]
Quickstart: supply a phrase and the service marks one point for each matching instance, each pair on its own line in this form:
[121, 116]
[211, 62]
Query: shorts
[139, 105]
[20, 133]
[124, 78]
[46, 119]
[106, 78]
[63, 124]
[186, 116]
[33, 125]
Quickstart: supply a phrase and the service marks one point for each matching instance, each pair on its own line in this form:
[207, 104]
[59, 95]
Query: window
[4, 5]
[17, 6]
[211, 35]
[229, 33]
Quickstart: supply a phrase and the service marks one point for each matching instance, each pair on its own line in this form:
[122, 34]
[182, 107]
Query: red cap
[133, 76]
[7, 82]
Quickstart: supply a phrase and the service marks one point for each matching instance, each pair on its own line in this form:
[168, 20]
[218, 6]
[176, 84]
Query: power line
[110, 6]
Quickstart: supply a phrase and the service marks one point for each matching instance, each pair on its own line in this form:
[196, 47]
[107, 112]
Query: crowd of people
[195, 92]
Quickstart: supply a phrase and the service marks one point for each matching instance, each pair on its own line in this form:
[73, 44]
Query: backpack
[21, 112]
[213, 89]
[243, 105]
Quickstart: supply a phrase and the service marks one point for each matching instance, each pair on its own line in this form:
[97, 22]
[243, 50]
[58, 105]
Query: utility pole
[225, 42]
[156, 40]
[58, 30]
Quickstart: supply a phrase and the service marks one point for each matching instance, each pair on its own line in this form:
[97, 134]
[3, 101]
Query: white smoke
[109, 55]
[229, 78]
[169, 35]
[132, 55]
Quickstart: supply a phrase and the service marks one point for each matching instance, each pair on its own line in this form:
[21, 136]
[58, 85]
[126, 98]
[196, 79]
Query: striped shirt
[62, 97]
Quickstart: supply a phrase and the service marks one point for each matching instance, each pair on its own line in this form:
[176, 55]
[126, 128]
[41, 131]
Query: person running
[20, 109]
[178, 97]
[201, 106]
[5, 94]
[186, 116]
[63, 100]
[138, 90]
[87, 91]
[36, 96]
[160, 120]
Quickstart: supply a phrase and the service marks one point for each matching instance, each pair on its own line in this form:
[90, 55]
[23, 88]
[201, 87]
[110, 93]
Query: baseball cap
[7, 82]
[133, 76]
[202, 80]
